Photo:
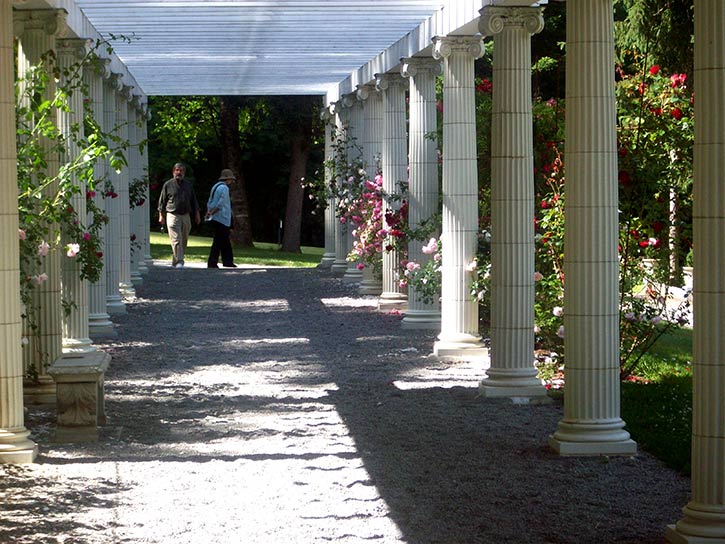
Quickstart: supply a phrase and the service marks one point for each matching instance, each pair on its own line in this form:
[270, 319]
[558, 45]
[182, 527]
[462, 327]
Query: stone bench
[80, 401]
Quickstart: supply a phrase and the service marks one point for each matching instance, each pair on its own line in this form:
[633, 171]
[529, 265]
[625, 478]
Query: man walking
[177, 204]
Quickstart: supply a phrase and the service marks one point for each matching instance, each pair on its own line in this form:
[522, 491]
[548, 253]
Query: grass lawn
[262, 254]
[659, 413]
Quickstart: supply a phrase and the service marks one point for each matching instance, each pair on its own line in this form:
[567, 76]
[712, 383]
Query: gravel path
[277, 406]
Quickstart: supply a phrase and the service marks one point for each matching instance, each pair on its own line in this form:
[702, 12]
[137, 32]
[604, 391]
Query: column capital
[364, 91]
[384, 81]
[50, 21]
[349, 100]
[495, 18]
[74, 48]
[114, 80]
[326, 114]
[126, 92]
[412, 66]
[445, 46]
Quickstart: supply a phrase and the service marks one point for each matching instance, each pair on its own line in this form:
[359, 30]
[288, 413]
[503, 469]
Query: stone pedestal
[80, 398]
[328, 257]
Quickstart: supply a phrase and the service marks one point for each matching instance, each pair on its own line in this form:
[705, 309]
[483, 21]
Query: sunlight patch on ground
[270, 305]
[245, 341]
[349, 302]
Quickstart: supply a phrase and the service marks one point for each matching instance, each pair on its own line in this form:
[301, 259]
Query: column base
[463, 347]
[370, 287]
[604, 437]
[352, 275]
[326, 262]
[136, 280]
[392, 301]
[422, 320]
[16, 448]
[142, 268]
[100, 327]
[512, 383]
[127, 290]
[149, 261]
[115, 306]
[339, 268]
[702, 523]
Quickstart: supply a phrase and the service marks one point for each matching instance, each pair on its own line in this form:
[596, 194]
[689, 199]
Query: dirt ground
[278, 406]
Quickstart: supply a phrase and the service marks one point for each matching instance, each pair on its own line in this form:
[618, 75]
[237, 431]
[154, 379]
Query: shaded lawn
[659, 413]
[262, 254]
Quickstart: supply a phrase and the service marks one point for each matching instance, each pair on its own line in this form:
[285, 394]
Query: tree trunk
[300, 122]
[232, 159]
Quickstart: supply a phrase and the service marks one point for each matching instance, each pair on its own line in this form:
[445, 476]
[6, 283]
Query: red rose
[654, 70]
[677, 113]
[657, 226]
[544, 204]
[644, 243]
[624, 178]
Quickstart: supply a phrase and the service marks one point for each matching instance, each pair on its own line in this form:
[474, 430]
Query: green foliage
[46, 192]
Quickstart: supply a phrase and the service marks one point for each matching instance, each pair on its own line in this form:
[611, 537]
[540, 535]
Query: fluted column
[148, 260]
[99, 322]
[591, 424]
[15, 447]
[37, 31]
[354, 130]
[339, 266]
[704, 515]
[372, 130]
[395, 177]
[76, 337]
[114, 302]
[328, 257]
[512, 372]
[124, 210]
[459, 312]
[136, 225]
[423, 188]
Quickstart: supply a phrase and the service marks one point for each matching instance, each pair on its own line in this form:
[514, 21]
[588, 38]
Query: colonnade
[59, 333]
[591, 424]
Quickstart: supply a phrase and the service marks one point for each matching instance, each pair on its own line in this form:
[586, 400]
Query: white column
[15, 447]
[148, 260]
[512, 372]
[423, 189]
[395, 177]
[99, 322]
[124, 210]
[591, 424]
[37, 31]
[459, 312]
[328, 257]
[372, 130]
[354, 130]
[339, 266]
[136, 225]
[114, 302]
[76, 337]
[704, 515]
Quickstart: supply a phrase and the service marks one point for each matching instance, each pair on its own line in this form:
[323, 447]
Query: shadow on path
[281, 390]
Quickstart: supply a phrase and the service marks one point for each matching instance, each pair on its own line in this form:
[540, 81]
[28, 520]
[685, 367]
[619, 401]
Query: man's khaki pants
[179, 227]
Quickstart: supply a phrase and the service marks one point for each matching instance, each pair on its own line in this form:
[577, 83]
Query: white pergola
[363, 57]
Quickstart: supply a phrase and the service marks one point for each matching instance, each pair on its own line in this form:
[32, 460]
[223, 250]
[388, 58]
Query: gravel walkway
[277, 406]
